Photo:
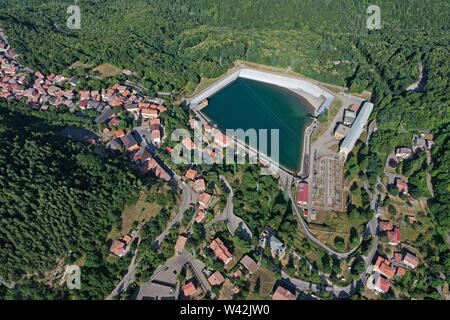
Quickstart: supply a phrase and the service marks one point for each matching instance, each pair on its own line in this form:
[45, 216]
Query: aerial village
[224, 278]
[40, 92]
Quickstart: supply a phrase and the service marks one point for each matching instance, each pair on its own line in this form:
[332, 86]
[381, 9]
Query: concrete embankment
[318, 97]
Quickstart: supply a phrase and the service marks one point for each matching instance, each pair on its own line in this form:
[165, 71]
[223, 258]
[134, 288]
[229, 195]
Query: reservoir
[246, 104]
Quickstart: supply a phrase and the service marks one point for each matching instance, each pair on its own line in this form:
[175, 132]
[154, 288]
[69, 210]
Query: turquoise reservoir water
[246, 104]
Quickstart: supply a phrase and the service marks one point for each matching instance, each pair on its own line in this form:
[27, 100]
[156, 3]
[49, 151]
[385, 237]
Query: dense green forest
[58, 202]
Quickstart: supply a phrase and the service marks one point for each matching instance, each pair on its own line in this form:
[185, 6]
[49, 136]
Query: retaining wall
[271, 78]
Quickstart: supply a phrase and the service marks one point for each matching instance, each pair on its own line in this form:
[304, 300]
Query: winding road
[232, 220]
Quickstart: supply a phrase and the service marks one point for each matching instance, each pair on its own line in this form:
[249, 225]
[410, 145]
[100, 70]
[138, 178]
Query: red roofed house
[149, 113]
[283, 294]
[188, 144]
[118, 248]
[199, 185]
[200, 216]
[394, 236]
[179, 246]
[220, 251]
[398, 257]
[383, 266]
[190, 174]
[381, 284]
[204, 199]
[410, 260]
[156, 136]
[302, 196]
[400, 272]
[119, 133]
[114, 122]
[207, 127]
[402, 186]
[85, 95]
[189, 289]
[156, 121]
[216, 279]
[220, 139]
[83, 104]
[385, 225]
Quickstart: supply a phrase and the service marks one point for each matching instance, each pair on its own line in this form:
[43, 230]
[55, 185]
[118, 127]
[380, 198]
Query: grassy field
[139, 212]
[108, 70]
[266, 282]
[330, 225]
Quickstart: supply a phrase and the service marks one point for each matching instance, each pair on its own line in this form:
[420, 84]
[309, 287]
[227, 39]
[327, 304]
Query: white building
[357, 128]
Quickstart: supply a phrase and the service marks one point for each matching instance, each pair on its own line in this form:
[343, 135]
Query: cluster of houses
[213, 141]
[343, 128]
[246, 267]
[385, 270]
[392, 232]
[419, 143]
[41, 92]
[198, 184]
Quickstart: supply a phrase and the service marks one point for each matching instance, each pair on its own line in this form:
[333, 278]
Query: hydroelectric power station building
[357, 128]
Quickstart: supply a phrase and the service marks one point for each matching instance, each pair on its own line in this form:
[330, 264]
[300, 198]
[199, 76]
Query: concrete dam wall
[318, 97]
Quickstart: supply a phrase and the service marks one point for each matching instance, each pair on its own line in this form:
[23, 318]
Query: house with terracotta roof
[384, 226]
[381, 284]
[207, 127]
[221, 251]
[283, 294]
[188, 144]
[394, 236]
[119, 133]
[410, 260]
[400, 272]
[216, 279]
[200, 216]
[402, 186]
[119, 248]
[179, 246]
[199, 185]
[384, 267]
[220, 139]
[149, 113]
[190, 174]
[398, 257]
[204, 200]
[189, 289]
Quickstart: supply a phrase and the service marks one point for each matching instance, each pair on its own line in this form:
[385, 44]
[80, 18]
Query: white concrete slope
[295, 84]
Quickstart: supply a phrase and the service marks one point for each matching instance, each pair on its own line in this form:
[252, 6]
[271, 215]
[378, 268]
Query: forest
[58, 200]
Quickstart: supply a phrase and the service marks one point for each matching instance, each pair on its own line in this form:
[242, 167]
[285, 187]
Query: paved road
[177, 262]
[232, 220]
[185, 203]
[310, 236]
[128, 278]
